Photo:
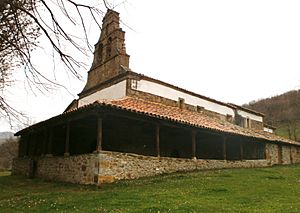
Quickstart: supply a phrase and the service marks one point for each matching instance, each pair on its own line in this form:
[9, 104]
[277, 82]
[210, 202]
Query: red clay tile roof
[173, 114]
[190, 118]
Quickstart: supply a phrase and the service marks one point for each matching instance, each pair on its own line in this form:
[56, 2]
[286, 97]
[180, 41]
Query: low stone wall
[295, 154]
[272, 153]
[117, 166]
[22, 166]
[75, 169]
[286, 155]
[112, 166]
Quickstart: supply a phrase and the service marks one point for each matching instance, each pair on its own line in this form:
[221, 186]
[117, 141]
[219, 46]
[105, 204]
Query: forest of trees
[282, 111]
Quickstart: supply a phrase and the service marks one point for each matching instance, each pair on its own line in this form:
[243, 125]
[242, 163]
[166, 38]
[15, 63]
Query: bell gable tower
[110, 55]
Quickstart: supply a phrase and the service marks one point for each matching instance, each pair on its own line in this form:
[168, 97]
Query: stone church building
[126, 125]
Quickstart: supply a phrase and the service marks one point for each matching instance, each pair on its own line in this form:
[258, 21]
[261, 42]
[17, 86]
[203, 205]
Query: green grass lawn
[274, 189]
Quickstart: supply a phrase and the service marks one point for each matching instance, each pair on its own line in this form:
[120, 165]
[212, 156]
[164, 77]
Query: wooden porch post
[157, 140]
[67, 142]
[44, 148]
[27, 145]
[224, 147]
[194, 134]
[99, 135]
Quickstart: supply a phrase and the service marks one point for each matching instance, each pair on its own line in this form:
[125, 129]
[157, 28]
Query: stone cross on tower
[110, 57]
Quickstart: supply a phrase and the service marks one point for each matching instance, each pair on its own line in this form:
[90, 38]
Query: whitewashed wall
[250, 115]
[115, 91]
[173, 94]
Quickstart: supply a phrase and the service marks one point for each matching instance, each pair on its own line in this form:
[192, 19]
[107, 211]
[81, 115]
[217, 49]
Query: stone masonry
[73, 169]
[107, 167]
[119, 166]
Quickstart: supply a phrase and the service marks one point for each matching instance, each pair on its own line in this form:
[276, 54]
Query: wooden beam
[67, 142]
[194, 134]
[224, 147]
[99, 135]
[157, 136]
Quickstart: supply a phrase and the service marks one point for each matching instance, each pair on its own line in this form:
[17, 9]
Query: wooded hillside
[282, 111]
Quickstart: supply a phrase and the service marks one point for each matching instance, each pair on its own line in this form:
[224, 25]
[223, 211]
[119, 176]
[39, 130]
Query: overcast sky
[233, 51]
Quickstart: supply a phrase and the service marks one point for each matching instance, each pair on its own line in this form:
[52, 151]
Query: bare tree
[8, 151]
[23, 21]
[17, 39]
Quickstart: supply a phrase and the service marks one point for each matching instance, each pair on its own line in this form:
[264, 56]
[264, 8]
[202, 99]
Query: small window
[247, 123]
[133, 84]
[108, 47]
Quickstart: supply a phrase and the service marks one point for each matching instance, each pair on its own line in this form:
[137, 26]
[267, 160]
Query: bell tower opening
[110, 55]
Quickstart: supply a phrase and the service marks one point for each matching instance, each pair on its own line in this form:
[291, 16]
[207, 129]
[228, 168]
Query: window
[133, 84]
[247, 123]
[100, 52]
[108, 47]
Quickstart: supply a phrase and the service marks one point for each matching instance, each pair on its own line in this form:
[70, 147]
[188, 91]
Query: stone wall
[112, 166]
[289, 154]
[118, 166]
[272, 153]
[295, 150]
[22, 166]
[74, 169]
[286, 155]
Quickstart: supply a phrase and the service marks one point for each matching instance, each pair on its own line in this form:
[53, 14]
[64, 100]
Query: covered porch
[127, 132]
[103, 143]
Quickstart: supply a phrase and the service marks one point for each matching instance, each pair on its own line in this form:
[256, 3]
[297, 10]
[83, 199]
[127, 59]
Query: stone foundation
[22, 166]
[118, 166]
[272, 153]
[107, 167]
[74, 169]
[286, 155]
[295, 152]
